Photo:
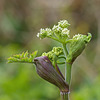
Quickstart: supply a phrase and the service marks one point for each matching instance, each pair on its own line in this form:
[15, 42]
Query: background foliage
[20, 21]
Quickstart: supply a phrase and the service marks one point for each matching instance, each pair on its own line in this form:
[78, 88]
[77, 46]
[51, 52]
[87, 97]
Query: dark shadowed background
[21, 20]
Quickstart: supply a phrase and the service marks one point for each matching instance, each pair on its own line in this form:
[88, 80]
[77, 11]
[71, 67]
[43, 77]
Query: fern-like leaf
[25, 57]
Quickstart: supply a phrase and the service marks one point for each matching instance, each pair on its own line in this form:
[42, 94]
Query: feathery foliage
[25, 57]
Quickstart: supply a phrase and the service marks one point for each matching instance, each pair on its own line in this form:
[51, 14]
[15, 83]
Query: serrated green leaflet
[25, 57]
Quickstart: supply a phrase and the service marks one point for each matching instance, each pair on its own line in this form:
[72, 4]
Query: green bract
[76, 46]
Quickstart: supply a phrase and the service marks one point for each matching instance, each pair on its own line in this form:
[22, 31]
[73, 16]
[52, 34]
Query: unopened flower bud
[46, 70]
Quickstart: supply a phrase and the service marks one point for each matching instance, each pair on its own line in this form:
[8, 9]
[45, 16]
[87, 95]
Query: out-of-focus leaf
[25, 57]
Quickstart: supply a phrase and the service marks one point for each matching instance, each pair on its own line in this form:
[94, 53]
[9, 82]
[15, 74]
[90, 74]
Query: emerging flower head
[77, 45]
[56, 51]
[46, 70]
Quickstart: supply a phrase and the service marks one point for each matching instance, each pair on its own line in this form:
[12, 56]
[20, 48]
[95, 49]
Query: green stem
[67, 73]
[66, 53]
[54, 38]
[64, 97]
[65, 50]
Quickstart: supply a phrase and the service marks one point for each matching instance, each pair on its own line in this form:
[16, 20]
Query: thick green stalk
[67, 73]
[64, 96]
[65, 50]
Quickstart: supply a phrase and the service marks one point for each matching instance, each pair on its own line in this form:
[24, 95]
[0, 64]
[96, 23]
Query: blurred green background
[21, 20]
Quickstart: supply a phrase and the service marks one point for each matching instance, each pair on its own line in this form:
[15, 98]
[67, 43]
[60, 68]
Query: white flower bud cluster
[44, 33]
[65, 31]
[85, 38]
[63, 23]
[59, 31]
[78, 36]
